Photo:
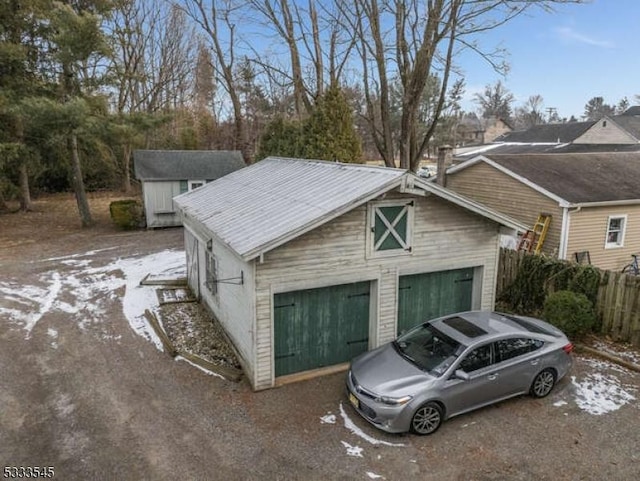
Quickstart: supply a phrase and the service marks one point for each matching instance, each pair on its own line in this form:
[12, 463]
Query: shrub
[570, 312]
[127, 214]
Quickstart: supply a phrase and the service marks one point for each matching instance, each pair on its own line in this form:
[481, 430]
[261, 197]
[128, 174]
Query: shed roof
[575, 178]
[185, 164]
[276, 200]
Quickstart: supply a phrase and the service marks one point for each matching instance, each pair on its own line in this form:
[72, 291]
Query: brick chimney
[445, 159]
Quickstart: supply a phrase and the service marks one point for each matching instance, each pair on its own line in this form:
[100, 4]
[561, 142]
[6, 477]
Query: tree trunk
[25, 195]
[3, 204]
[78, 183]
[126, 185]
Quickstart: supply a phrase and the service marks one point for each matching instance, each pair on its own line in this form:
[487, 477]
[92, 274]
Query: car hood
[385, 372]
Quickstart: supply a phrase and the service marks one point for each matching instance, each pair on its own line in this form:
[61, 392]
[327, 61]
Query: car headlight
[394, 401]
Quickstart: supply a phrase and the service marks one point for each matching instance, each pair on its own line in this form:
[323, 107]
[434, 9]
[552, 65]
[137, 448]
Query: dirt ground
[82, 392]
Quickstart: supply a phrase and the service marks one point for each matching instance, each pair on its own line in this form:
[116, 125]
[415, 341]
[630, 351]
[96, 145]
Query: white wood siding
[233, 305]
[444, 237]
[587, 232]
[158, 203]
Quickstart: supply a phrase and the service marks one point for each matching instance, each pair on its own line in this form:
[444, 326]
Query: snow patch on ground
[599, 394]
[53, 334]
[350, 425]
[374, 475]
[328, 419]
[83, 291]
[560, 403]
[355, 451]
[211, 373]
[619, 352]
[602, 365]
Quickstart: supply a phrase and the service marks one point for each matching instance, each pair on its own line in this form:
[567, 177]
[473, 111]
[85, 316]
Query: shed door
[320, 327]
[425, 296]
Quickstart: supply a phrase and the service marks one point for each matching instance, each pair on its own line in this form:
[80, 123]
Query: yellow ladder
[533, 239]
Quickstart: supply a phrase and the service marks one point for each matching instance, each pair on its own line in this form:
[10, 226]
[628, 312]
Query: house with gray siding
[167, 173]
[307, 263]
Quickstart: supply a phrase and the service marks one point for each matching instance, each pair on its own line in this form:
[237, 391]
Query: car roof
[472, 327]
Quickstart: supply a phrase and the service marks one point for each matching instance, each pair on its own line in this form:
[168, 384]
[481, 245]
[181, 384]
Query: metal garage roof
[260, 207]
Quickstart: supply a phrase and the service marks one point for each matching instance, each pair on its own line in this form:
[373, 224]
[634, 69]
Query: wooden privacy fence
[617, 303]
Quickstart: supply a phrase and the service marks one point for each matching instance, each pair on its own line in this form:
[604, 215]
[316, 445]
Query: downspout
[564, 233]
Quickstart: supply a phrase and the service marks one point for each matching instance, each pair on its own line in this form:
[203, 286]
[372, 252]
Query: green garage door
[320, 327]
[425, 296]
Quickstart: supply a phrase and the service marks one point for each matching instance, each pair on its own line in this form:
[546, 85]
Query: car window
[477, 359]
[429, 349]
[510, 348]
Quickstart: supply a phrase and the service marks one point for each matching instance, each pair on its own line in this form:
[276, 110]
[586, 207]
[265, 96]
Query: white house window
[194, 184]
[390, 226]
[211, 273]
[615, 231]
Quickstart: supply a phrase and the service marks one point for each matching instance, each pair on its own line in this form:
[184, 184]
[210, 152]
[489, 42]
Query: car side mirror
[460, 374]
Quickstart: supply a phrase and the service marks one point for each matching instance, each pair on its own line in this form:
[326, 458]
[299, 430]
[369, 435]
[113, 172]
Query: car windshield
[428, 348]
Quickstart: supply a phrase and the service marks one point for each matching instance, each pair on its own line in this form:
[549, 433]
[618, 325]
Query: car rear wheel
[427, 419]
[543, 383]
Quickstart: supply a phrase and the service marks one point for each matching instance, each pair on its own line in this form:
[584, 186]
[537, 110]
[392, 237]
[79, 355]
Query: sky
[568, 57]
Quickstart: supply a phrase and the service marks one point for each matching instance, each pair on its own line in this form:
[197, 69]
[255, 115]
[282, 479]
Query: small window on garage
[390, 227]
[194, 184]
[615, 231]
[510, 348]
[211, 273]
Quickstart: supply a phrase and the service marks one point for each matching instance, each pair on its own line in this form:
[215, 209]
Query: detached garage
[309, 263]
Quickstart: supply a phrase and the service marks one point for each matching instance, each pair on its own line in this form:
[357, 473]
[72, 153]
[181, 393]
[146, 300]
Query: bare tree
[153, 57]
[418, 40]
[217, 20]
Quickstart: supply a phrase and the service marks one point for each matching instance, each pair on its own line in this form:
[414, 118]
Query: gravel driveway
[87, 391]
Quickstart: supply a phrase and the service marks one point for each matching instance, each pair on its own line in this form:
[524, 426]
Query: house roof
[511, 148]
[549, 133]
[572, 178]
[634, 110]
[185, 164]
[256, 209]
[630, 123]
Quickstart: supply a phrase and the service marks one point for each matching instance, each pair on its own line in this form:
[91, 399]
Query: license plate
[354, 401]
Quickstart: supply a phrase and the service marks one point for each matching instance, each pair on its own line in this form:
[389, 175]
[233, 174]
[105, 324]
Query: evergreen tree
[329, 133]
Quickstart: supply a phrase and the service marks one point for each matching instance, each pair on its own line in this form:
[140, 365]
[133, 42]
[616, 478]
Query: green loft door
[320, 327]
[425, 296]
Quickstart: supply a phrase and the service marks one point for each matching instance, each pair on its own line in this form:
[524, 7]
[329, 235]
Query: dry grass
[54, 216]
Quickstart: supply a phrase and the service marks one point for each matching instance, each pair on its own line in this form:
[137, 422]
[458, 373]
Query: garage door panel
[425, 296]
[320, 327]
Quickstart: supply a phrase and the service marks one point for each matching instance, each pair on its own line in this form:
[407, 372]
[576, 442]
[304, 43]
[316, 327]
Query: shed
[308, 263]
[167, 173]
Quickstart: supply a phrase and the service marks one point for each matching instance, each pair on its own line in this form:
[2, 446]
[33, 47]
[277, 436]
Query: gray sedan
[454, 364]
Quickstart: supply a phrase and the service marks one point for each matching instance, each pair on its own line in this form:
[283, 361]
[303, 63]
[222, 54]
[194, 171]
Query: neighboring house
[472, 130]
[619, 133]
[167, 173]
[594, 199]
[307, 264]
[620, 129]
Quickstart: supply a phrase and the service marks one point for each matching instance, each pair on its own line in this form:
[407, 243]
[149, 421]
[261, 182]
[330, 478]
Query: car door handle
[492, 377]
[534, 362]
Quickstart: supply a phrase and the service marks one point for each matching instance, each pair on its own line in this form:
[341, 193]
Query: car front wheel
[543, 383]
[426, 419]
